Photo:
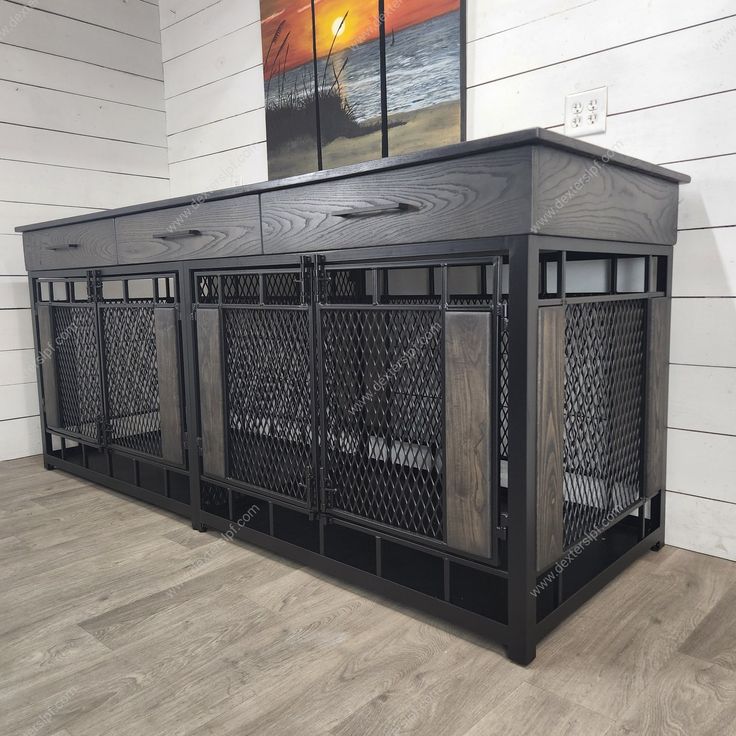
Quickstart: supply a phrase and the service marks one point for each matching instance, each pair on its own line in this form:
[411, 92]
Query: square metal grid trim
[131, 379]
[269, 399]
[605, 346]
[78, 370]
[383, 416]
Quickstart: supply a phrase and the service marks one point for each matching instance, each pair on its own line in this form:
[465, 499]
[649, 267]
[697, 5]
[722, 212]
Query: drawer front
[230, 227]
[477, 196]
[71, 246]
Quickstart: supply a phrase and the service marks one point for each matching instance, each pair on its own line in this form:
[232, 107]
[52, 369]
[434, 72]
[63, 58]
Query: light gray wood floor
[117, 619]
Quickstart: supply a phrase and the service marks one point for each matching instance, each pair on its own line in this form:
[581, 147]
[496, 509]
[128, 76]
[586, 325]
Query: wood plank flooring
[118, 619]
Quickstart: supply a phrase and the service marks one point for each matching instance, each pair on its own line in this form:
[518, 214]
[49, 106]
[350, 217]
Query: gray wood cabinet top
[532, 181]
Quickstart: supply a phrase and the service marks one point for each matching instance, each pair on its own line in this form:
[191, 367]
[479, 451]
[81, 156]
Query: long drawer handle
[377, 210]
[178, 234]
[63, 246]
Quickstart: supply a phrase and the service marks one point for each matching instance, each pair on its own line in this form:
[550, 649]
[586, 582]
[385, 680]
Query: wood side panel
[230, 227]
[468, 412]
[475, 196]
[166, 324]
[550, 434]
[656, 392]
[71, 246]
[211, 391]
[47, 356]
[576, 196]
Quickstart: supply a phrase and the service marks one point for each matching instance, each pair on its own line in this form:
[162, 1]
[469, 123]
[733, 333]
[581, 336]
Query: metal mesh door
[76, 351]
[265, 379]
[131, 378]
[604, 407]
[269, 399]
[383, 415]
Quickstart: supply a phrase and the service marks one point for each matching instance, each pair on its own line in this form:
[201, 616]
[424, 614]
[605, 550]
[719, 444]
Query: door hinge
[94, 286]
[502, 530]
[502, 312]
[198, 442]
[306, 270]
[309, 485]
[193, 313]
[324, 281]
[104, 431]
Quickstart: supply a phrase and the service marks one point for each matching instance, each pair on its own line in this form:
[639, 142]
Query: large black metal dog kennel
[440, 376]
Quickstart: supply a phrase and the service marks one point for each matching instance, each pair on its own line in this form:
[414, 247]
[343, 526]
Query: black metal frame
[508, 611]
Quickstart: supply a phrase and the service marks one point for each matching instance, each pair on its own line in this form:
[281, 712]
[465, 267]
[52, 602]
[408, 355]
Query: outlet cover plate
[585, 112]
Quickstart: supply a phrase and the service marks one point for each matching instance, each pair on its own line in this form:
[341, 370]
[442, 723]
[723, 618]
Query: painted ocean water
[423, 68]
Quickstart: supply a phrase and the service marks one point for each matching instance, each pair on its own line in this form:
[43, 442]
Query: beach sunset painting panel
[322, 69]
[288, 71]
[423, 64]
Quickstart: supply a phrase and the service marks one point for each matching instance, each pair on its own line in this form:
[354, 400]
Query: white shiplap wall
[213, 77]
[669, 68]
[82, 127]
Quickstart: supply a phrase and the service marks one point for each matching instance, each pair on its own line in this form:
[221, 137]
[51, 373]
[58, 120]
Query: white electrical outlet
[585, 112]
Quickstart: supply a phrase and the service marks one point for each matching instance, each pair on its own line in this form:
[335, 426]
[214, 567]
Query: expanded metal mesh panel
[503, 390]
[215, 500]
[208, 289]
[78, 370]
[269, 404]
[383, 415]
[131, 378]
[240, 288]
[346, 287]
[604, 412]
[282, 288]
[471, 300]
[411, 300]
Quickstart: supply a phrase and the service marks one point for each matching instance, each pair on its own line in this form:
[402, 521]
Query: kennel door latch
[328, 490]
[502, 530]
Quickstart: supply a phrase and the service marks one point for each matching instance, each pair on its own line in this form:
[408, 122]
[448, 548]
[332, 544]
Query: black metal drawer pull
[377, 210]
[178, 234]
[63, 246]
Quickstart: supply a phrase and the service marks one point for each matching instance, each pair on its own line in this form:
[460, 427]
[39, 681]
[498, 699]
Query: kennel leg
[523, 297]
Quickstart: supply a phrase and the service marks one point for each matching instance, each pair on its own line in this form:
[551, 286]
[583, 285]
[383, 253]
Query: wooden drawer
[476, 196]
[230, 227]
[88, 244]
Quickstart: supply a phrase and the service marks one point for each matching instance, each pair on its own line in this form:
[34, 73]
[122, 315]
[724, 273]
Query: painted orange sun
[338, 27]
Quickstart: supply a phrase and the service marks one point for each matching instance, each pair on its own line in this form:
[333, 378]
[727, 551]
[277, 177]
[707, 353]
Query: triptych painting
[354, 80]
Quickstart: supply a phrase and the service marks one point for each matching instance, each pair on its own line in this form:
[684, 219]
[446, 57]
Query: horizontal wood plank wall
[213, 76]
[669, 72]
[82, 128]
